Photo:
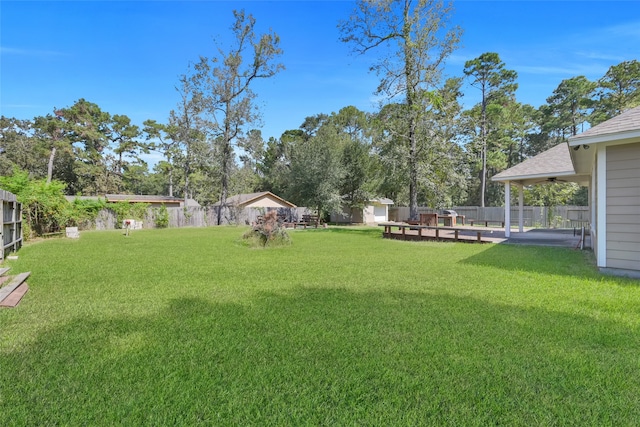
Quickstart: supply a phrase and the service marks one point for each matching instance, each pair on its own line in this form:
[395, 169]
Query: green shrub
[161, 215]
[83, 212]
[124, 210]
[44, 207]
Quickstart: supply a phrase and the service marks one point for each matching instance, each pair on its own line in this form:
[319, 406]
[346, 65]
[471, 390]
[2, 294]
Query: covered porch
[549, 167]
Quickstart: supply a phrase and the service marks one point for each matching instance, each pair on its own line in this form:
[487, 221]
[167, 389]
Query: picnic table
[308, 220]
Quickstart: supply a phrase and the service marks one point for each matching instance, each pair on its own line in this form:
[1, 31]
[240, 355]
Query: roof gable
[245, 199]
[554, 162]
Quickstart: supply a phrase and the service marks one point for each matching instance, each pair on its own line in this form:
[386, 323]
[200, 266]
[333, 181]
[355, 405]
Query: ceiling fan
[551, 180]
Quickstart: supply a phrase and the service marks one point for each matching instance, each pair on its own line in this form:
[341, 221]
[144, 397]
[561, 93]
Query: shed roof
[136, 199]
[382, 200]
[133, 198]
[145, 198]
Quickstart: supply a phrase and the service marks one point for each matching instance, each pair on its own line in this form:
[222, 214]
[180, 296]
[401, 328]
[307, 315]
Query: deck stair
[12, 293]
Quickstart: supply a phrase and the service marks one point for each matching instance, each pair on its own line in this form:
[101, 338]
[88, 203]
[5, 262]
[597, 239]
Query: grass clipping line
[267, 233]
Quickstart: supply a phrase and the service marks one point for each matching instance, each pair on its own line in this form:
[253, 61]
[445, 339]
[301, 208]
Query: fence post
[2, 229]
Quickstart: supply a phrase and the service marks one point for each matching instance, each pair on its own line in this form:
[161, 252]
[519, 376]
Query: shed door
[380, 213]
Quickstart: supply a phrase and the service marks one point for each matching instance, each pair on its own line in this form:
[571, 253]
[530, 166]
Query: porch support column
[520, 208]
[601, 207]
[507, 209]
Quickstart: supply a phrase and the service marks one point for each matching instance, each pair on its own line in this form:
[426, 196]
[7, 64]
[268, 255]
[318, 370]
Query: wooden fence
[202, 216]
[534, 216]
[11, 214]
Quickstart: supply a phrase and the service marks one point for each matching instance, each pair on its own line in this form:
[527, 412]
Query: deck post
[520, 208]
[507, 209]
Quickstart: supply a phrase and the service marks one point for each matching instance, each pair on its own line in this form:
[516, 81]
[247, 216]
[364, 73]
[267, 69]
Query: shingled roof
[244, 199]
[553, 163]
[624, 126]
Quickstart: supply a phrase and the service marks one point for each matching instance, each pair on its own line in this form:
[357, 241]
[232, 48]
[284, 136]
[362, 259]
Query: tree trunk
[226, 155]
[413, 177]
[171, 182]
[483, 176]
[50, 165]
[483, 138]
[411, 100]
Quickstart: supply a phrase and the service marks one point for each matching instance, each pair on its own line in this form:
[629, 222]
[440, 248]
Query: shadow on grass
[539, 259]
[327, 357]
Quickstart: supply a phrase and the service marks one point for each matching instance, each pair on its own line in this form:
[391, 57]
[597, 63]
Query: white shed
[375, 211]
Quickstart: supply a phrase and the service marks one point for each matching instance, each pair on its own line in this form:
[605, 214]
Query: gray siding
[623, 206]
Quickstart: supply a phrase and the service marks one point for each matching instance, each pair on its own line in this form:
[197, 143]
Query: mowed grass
[188, 326]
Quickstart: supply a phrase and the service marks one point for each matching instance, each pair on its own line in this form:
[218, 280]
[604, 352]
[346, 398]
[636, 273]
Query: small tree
[315, 172]
[223, 84]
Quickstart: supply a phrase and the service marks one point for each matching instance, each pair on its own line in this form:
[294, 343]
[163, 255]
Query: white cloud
[626, 30]
[559, 70]
[600, 56]
[29, 52]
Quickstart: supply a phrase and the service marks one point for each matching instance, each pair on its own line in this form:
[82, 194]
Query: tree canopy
[421, 146]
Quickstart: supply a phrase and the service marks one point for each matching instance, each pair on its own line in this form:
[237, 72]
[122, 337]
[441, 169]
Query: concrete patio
[565, 237]
[569, 238]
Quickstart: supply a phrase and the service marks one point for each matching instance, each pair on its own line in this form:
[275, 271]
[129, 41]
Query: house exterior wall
[622, 207]
[369, 214]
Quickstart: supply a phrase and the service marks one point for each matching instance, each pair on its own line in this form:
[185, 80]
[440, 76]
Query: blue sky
[126, 56]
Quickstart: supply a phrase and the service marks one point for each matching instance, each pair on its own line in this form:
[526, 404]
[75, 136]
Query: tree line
[420, 147]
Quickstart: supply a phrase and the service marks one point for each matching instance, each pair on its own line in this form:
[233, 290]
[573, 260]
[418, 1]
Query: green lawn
[187, 326]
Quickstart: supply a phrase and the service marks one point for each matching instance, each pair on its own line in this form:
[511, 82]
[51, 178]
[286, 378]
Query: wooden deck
[403, 231]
